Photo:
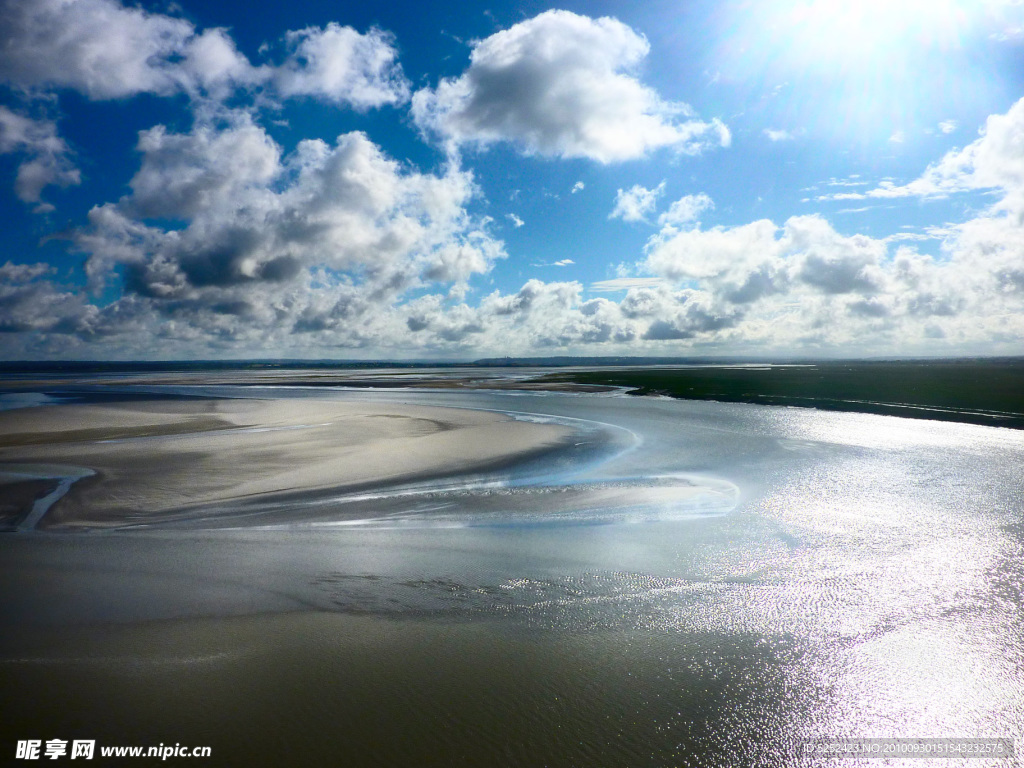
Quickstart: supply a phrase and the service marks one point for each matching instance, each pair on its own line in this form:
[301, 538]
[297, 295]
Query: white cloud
[677, 315]
[898, 137]
[686, 210]
[842, 196]
[696, 254]
[806, 284]
[98, 47]
[106, 50]
[228, 243]
[31, 304]
[183, 175]
[23, 273]
[551, 315]
[264, 229]
[47, 158]
[635, 203]
[516, 221]
[561, 85]
[1008, 34]
[577, 187]
[852, 181]
[340, 65]
[624, 284]
[322, 247]
[948, 126]
[993, 161]
[778, 134]
[214, 65]
[749, 261]
[799, 287]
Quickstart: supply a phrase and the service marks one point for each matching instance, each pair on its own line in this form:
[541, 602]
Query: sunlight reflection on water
[860, 576]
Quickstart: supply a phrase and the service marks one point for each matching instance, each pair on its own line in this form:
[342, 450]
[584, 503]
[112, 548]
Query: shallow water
[698, 584]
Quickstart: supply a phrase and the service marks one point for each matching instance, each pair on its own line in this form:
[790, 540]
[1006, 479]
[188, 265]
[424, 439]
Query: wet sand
[153, 457]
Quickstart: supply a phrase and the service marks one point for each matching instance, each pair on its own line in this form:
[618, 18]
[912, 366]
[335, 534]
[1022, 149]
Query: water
[701, 584]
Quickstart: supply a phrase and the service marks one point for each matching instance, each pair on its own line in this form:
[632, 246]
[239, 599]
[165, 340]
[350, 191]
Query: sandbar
[153, 457]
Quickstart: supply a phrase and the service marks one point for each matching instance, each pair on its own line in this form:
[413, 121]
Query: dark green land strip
[979, 391]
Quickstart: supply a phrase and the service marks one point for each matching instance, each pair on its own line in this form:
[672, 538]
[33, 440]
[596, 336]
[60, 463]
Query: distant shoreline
[78, 367]
[985, 392]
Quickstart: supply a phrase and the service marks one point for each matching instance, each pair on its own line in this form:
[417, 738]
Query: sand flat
[156, 456]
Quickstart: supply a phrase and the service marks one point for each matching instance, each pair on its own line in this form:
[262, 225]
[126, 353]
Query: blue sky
[332, 180]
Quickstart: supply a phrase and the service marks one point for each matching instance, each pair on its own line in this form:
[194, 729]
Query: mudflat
[155, 456]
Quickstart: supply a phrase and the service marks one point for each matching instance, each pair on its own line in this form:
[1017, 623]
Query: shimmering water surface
[688, 584]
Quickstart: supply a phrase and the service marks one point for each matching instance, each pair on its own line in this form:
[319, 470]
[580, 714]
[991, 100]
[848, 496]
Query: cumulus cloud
[199, 172]
[804, 284]
[552, 315]
[993, 161]
[696, 254]
[31, 304]
[211, 63]
[228, 242]
[948, 126]
[46, 156]
[686, 315]
[799, 285]
[748, 262]
[577, 187]
[268, 230]
[98, 47]
[686, 210]
[635, 203]
[342, 66]
[516, 221]
[107, 50]
[562, 85]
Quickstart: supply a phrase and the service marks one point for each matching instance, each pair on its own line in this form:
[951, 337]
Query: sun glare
[840, 30]
[865, 69]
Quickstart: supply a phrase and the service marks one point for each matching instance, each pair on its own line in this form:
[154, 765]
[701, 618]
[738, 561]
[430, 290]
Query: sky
[791, 178]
